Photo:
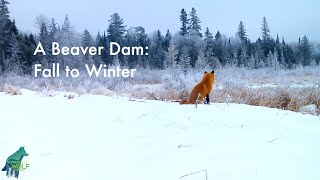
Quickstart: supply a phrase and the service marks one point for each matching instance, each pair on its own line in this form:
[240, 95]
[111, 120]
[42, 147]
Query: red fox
[201, 90]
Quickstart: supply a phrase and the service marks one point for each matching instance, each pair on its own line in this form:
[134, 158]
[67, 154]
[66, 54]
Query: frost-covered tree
[219, 48]
[201, 62]
[45, 39]
[67, 36]
[116, 28]
[267, 43]
[275, 61]
[194, 44]
[208, 35]
[53, 30]
[242, 33]
[14, 63]
[208, 39]
[143, 41]
[195, 22]
[251, 62]
[305, 51]
[234, 60]
[265, 30]
[87, 41]
[7, 27]
[184, 63]
[116, 61]
[171, 56]
[243, 59]
[167, 40]
[216, 63]
[157, 53]
[282, 60]
[4, 11]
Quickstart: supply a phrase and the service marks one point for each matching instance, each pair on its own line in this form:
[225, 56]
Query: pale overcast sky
[289, 18]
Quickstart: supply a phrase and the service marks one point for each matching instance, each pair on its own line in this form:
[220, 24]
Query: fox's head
[22, 152]
[208, 77]
[212, 72]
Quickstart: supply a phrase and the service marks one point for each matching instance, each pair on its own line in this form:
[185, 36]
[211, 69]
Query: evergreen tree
[14, 63]
[167, 40]
[251, 62]
[184, 63]
[66, 26]
[282, 60]
[242, 33]
[68, 37]
[116, 61]
[216, 63]
[234, 60]
[219, 49]
[195, 22]
[7, 28]
[265, 30]
[208, 35]
[44, 38]
[87, 41]
[157, 57]
[218, 36]
[171, 56]
[4, 11]
[97, 59]
[116, 29]
[201, 62]
[208, 38]
[194, 43]
[243, 59]
[275, 61]
[277, 40]
[4, 31]
[270, 59]
[143, 41]
[305, 51]
[53, 30]
[184, 23]
[267, 42]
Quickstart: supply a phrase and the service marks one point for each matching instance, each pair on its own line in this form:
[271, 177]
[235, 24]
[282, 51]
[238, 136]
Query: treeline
[186, 49]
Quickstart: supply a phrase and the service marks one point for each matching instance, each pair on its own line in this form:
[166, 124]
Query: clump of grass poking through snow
[12, 90]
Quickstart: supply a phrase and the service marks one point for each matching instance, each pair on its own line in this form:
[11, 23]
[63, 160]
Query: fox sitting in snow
[201, 90]
[13, 162]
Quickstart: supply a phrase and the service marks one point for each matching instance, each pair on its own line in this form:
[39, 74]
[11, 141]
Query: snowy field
[296, 89]
[98, 137]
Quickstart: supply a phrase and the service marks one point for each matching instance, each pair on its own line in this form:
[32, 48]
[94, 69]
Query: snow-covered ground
[98, 137]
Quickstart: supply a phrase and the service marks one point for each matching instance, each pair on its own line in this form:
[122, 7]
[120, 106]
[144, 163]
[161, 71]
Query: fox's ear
[205, 72]
[212, 72]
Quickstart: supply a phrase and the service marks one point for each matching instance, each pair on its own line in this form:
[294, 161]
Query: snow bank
[98, 137]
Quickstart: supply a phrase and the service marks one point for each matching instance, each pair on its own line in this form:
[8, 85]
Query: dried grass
[12, 90]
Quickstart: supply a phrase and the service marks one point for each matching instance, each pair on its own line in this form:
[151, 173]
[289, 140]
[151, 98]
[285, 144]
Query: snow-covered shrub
[12, 90]
[102, 91]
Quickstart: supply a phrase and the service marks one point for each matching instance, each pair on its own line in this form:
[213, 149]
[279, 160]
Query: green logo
[19, 165]
[14, 163]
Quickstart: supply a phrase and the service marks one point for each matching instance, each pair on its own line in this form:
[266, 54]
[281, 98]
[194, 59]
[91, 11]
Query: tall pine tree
[184, 23]
[116, 29]
[242, 33]
[195, 22]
